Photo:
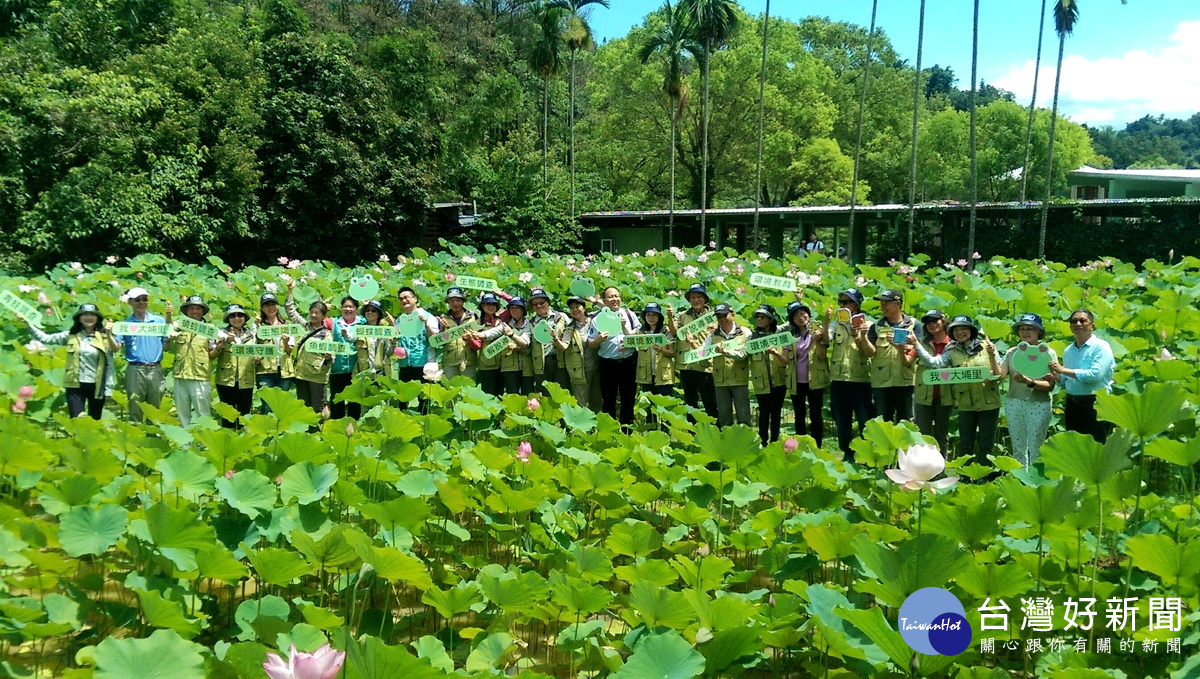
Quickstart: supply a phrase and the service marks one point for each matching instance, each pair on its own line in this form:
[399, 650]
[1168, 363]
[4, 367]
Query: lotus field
[506, 536]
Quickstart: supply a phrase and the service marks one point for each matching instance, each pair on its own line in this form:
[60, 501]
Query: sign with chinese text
[762, 280]
[761, 344]
[195, 327]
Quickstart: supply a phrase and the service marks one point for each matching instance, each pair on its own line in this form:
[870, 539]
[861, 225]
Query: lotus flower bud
[25, 392]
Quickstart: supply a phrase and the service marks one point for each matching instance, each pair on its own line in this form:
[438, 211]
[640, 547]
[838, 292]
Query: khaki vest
[381, 347]
[767, 373]
[977, 396]
[685, 344]
[236, 371]
[539, 351]
[887, 365]
[191, 357]
[494, 362]
[285, 364]
[516, 359]
[731, 370]
[654, 367]
[312, 367]
[458, 353]
[923, 394]
[572, 358]
[848, 363]
[71, 376]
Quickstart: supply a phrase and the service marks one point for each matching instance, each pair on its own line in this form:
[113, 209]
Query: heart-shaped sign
[1032, 361]
[364, 287]
[410, 325]
[541, 333]
[609, 322]
[583, 287]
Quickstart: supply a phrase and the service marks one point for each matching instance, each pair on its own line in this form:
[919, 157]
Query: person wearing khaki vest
[809, 376]
[235, 374]
[695, 378]
[978, 403]
[580, 360]
[547, 366]
[312, 368]
[516, 362]
[89, 376]
[375, 353]
[731, 368]
[850, 387]
[192, 370]
[892, 371]
[655, 369]
[458, 358]
[280, 370]
[933, 403]
[488, 369]
[769, 375]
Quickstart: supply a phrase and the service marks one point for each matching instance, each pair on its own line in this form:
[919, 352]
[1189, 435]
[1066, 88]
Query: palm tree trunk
[1062, 43]
[545, 138]
[704, 153]
[912, 169]
[572, 132]
[974, 163]
[671, 217]
[1037, 67]
[762, 86]
[862, 105]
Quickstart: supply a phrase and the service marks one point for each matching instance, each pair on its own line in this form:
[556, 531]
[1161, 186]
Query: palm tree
[912, 170]
[578, 35]
[675, 41]
[546, 60]
[1066, 13]
[1037, 67]
[974, 164]
[715, 22]
[762, 87]
[862, 105]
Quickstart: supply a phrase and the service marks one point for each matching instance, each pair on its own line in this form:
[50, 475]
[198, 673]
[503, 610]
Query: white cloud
[1116, 90]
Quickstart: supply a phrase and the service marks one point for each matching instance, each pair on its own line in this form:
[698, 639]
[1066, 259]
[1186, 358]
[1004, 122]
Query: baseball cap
[889, 295]
[722, 310]
[138, 292]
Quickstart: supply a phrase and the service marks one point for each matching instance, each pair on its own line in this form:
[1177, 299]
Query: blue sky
[1122, 62]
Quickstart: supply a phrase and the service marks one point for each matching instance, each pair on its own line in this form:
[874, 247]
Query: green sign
[762, 280]
[583, 287]
[195, 327]
[254, 350]
[609, 322]
[700, 354]
[761, 344]
[447, 336]
[476, 283]
[374, 331]
[542, 333]
[493, 350]
[141, 329]
[364, 287]
[698, 326]
[965, 375]
[270, 332]
[1032, 361]
[20, 307]
[329, 347]
[643, 341]
[410, 325]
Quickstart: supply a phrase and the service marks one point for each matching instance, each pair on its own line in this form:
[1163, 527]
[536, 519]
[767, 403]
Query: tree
[715, 22]
[1037, 67]
[546, 60]
[578, 36]
[1066, 13]
[862, 104]
[762, 86]
[974, 157]
[676, 43]
[912, 176]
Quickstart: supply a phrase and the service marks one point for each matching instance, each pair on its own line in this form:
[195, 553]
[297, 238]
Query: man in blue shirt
[1087, 368]
[144, 377]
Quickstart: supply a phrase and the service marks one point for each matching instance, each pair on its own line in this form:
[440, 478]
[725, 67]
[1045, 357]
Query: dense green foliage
[1151, 142]
[197, 127]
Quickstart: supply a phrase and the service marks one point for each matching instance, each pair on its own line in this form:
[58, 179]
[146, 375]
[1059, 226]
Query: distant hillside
[1151, 142]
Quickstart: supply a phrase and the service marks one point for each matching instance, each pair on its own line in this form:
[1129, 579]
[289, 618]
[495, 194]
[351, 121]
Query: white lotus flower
[918, 465]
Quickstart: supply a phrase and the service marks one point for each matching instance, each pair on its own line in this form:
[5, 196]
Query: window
[606, 245]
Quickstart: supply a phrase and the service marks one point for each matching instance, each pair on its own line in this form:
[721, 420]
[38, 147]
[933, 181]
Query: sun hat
[766, 310]
[194, 300]
[455, 292]
[1033, 321]
[697, 287]
[267, 298]
[134, 293]
[86, 308]
[854, 294]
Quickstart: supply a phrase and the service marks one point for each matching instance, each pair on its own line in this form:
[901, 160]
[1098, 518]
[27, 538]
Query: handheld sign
[761, 344]
[475, 283]
[542, 333]
[447, 336]
[254, 350]
[374, 331]
[409, 325]
[967, 375]
[762, 280]
[700, 354]
[195, 327]
[583, 287]
[364, 287]
[141, 329]
[697, 326]
[609, 322]
[645, 341]
[493, 350]
[1032, 361]
[270, 332]
[328, 347]
[20, 307]
[900, 336]
[842, 315]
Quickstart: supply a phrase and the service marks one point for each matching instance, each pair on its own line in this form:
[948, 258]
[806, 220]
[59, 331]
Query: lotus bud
[400, 352]
[1165, 355]
[349, 429]
[19, 406]
[25, 392]
[532, 404]
[524, 451]
[790, 444]
[229, 474]
[704, 549]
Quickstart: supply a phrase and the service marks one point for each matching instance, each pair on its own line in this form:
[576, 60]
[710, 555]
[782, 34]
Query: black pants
[337, 384]
[552, 373]
[1079, 414]
[977, 434]
[83, 397]
[770, 413]
[410, 373]
[312, 394]
[618, 378]
[850, 401]
[490, 381]
[241, 399]
[815, 399]
[516, 383]
[698, 387]
[894, 403]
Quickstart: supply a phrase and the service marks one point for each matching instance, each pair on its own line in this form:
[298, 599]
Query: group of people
[886, 367]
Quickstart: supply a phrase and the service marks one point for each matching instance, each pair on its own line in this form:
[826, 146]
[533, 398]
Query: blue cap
[517, 301]
[698, 287]
[538, 292]
[488, 298]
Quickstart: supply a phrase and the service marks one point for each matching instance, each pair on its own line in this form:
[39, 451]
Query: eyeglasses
[1080, 321]
[143, 298]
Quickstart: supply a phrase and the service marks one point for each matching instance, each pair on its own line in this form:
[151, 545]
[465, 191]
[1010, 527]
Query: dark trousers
[698, 388]
[770, 413]
[410, 373]
[312, 394]
[516, 383]
[618, 378]
[490, 381]
[241, 399]
[552, 373]
[815, 399]
[850, 401]
[977, 429]
[1079, 414]
[894, 403]
[934, 420]
[337, 384]
[83, 398]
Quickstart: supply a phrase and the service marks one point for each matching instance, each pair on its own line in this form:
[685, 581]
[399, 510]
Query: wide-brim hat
[538, 292]
[234, 309]
[854, 294]
[373, 304]
[194, 300]
[1032, 320]
[698, 287]
[652, 308]
[796, 307]
[488, 298]
[86, 309]
[516, 301]
[963, 321]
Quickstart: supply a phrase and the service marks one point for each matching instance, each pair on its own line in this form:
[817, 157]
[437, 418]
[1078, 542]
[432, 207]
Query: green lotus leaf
[247, 491]
[656, 606]
[162, 655]
[75, 490]
[665, 656]
[88, 530]
[1081, 457]
[489, 652]
[306, 482]
[1176, 563]
[279, 566]
[187, 474]
[1144, 415]
[451, 602]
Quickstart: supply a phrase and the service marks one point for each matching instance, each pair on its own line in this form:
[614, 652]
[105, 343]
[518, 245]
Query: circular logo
[933, 621]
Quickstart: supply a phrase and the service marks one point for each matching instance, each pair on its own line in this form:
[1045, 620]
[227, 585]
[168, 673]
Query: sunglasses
[140, 299]
[1080, 321]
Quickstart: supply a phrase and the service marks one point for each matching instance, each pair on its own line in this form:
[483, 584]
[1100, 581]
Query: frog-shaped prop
[542, 333]
[609, 322]
[364, 287]
[583, 287]
[1032, 360]
[410, 325]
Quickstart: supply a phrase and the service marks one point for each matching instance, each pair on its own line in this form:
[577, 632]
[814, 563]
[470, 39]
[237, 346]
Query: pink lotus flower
[790, 444]
[282, 261]
[450, 277]
[918, 465]
[976, 255]
[25, 392]
[229, 474]
[532, 404]
[962, 263]
[324, 663]
[524, 452]
[400, 352]
[19, 406]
